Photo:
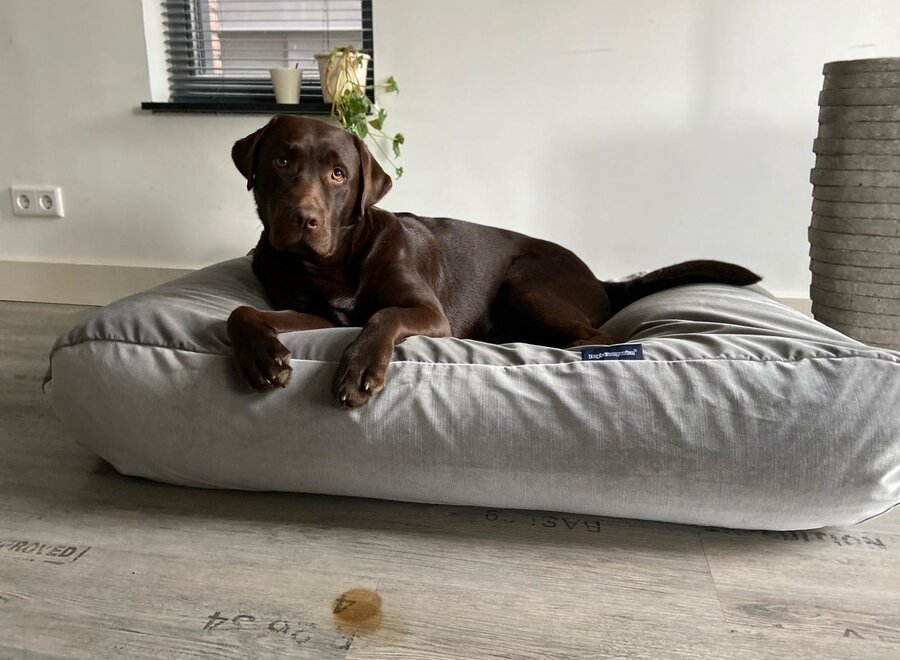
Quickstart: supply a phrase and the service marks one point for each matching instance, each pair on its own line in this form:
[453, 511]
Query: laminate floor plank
[831, 582]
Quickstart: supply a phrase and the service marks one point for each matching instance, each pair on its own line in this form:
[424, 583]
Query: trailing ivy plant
[354, 110]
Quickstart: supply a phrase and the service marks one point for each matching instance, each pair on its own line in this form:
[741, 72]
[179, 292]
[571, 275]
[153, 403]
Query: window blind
[220, 51]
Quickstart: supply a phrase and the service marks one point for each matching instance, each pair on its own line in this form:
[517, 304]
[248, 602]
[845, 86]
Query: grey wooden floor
[96, 565]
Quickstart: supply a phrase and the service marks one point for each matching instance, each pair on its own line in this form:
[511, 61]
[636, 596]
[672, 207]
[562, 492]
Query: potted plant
[343, 75]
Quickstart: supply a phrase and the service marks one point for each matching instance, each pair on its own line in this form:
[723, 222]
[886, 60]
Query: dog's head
[309, 180]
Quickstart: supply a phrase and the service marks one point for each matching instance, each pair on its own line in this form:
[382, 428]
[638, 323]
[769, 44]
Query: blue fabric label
[620, 352]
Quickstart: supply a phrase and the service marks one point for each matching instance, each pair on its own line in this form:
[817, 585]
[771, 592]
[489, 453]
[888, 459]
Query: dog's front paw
[360, 375]
[263, 363]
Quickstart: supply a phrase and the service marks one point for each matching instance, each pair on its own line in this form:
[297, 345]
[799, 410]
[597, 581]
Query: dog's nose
[308, 218]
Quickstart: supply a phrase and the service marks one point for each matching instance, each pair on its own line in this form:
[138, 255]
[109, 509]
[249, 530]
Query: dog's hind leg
[553, 301]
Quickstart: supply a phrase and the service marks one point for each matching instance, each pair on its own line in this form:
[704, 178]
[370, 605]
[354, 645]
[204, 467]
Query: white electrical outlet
[37, 201]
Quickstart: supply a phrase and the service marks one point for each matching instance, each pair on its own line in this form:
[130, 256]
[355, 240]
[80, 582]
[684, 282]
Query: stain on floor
[357, 611]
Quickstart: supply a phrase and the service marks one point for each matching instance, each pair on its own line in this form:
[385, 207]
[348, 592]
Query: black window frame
[311, 100]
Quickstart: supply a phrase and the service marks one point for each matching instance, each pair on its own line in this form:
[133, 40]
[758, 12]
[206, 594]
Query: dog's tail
[624, 293]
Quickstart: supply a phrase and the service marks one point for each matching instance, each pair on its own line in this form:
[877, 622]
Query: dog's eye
[281, 161]
[338, 174]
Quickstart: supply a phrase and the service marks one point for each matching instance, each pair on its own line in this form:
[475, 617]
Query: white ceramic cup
[287, 84]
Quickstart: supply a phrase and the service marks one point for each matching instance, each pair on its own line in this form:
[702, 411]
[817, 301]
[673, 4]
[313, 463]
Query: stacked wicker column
[855, 232]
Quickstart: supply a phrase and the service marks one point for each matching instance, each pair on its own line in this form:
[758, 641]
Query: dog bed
[724, 407]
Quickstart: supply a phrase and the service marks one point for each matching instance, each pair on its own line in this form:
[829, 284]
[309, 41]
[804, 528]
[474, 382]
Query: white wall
[637, 133]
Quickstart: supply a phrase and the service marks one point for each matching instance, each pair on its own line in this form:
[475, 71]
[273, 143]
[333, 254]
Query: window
[219, 52]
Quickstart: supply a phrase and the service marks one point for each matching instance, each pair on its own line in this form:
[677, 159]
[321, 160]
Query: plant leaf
[361, 128]
[355, 102]
[391, 86]
[378, 122]
[351, 111]
[398, 140]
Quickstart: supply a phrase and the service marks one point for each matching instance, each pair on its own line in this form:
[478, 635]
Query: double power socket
[37, 201]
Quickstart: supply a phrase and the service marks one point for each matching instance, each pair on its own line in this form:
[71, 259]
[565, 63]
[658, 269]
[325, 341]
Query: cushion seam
[879, 358]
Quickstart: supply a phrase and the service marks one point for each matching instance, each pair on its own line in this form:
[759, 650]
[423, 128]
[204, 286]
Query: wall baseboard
[82, 284]
[77, 284]
[800, 304]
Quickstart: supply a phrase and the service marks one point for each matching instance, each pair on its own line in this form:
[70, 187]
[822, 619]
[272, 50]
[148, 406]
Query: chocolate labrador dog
[328, 257]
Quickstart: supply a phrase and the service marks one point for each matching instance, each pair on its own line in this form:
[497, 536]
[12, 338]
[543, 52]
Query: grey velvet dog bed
[724, 408]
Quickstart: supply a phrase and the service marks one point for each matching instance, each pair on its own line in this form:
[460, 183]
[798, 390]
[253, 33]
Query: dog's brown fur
[328, 257]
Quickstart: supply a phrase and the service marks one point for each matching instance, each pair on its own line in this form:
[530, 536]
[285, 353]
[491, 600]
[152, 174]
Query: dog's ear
[243, 153]
[374, 184]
